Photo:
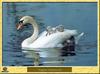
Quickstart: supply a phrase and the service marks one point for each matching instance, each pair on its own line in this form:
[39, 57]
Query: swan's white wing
[52, 40]
[43, 34]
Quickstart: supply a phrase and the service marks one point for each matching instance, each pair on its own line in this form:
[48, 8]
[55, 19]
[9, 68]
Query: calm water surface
[80, 16]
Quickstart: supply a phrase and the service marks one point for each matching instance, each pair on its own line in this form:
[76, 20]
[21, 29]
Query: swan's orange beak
[19, 26]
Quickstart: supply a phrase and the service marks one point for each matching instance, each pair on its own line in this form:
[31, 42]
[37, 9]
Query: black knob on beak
[21, 21]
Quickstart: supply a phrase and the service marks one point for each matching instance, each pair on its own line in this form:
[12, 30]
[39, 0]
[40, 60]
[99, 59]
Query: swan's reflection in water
[49, 56]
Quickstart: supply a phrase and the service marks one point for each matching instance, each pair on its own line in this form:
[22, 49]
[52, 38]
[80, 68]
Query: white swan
[43, 41]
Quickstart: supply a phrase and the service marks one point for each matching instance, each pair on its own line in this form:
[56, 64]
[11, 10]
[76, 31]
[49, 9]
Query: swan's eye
[21, 21]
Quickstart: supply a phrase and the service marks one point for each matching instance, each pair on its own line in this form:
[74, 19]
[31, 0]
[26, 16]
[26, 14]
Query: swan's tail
[78, 37]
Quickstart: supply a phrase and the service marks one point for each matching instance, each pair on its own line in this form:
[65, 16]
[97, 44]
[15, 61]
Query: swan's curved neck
[34, 36]
[36, 31]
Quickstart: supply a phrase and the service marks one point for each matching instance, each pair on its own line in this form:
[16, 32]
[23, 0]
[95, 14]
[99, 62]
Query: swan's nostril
[19, 26]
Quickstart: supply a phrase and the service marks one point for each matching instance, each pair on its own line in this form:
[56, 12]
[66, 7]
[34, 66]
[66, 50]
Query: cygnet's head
[49, 28]
[23, 21]
[60, 28]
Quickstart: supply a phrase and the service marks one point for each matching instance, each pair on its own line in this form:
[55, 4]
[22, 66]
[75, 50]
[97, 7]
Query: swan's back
[52, 40]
